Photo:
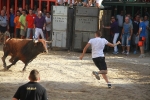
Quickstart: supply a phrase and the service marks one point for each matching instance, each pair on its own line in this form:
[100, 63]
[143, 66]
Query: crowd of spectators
[132, 32]
[25, 21]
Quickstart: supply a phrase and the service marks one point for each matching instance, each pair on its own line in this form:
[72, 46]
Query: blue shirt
[143, 26]
[127, 27]
[12, 17]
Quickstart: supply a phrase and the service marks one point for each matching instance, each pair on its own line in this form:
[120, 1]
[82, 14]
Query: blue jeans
[29, 31]
[125, 40]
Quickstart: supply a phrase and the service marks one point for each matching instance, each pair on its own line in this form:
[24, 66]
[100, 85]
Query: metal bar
[141, 11]
[23, 4]
[40, 4]
[16, 5]
[132, 11]
[0, 4]
[8, 8]
[32, 4]
[48, 5]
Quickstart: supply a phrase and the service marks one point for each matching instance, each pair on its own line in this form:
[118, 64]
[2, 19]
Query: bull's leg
[4, 57]
[13, 63]
[24, 69]
[11, 59]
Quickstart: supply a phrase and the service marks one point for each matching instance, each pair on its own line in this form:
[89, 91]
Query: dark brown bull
[22, 49]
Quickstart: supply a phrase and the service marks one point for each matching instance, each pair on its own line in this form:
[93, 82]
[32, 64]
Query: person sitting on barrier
[32, 90]
[98, 45]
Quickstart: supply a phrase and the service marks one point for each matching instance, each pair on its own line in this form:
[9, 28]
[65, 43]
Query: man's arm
[44, 97]
[84, 50]
[14, 99]
[113, 45]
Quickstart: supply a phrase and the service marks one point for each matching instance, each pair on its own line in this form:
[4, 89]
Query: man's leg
[28, 33]
[123, 44]
[42, 34]
[114, 42]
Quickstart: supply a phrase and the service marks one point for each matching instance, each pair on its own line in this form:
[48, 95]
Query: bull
[22, 49]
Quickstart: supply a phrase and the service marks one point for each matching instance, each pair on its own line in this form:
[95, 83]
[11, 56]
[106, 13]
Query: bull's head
[42, 43]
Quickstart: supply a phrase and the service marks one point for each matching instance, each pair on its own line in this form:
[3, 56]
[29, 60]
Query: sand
[65, 77]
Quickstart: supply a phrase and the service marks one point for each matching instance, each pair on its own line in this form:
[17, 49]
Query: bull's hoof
[11, 60]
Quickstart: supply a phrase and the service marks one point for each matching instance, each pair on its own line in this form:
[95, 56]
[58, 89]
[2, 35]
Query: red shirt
[30, 20]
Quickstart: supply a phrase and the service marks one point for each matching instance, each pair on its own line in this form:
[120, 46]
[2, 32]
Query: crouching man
[32, 90]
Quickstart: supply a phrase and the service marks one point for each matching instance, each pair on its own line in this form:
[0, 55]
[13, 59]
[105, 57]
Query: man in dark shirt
[39, 25]
[32, 90]
[135, 37]
[115, 30]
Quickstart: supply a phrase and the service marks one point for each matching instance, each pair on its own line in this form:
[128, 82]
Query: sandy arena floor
[67, 78]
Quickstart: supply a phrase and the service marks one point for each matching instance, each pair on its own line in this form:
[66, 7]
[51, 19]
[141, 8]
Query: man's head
[11, 10]
[30, 11]
[137, 18]
[127, 19]
[44, 10]
[128, 15]
[113, 19]
[39, 13]
[121, 13]
[18, 13]
[2, 13]
[48, 14]
[20, 9]
[141, 19]
[145, 18]
[34, 75]
[23, 12]
[98, 34]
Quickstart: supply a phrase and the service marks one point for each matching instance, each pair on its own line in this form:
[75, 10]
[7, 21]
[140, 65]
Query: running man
[98, 45]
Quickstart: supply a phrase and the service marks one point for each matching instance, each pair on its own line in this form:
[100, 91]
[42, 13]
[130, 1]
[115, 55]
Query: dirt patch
[67, 78]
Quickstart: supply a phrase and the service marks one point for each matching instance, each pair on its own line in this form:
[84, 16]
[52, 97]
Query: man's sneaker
[142, 56]
[115, 52]
[123, 52]
[109, 85]
[96, 75]
[127, 53]
[134, 52]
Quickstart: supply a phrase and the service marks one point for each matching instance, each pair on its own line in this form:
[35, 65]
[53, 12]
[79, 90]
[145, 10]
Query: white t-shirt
[98, 45]
[120, 20]
[48, 27]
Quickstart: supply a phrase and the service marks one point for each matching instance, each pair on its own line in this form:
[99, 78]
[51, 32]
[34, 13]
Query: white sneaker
[142, 56]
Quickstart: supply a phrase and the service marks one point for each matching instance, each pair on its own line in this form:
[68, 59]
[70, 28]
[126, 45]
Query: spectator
[120, 22]
[114, 28]
[39, 24]
[3, 25]
[30, 23]
[48, 24]
[20, 9]
[27, 9]
[142, 35]
[135, 37]
[4, 8]
[35, 10]
[31, 90]
[130, 18]
[17, 24]
[11, 22]
[147, 33]
[22, 21]
[126, 35]
[44, 12]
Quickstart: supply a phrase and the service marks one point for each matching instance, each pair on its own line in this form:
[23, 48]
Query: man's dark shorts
[3, 29]
[100, 63]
